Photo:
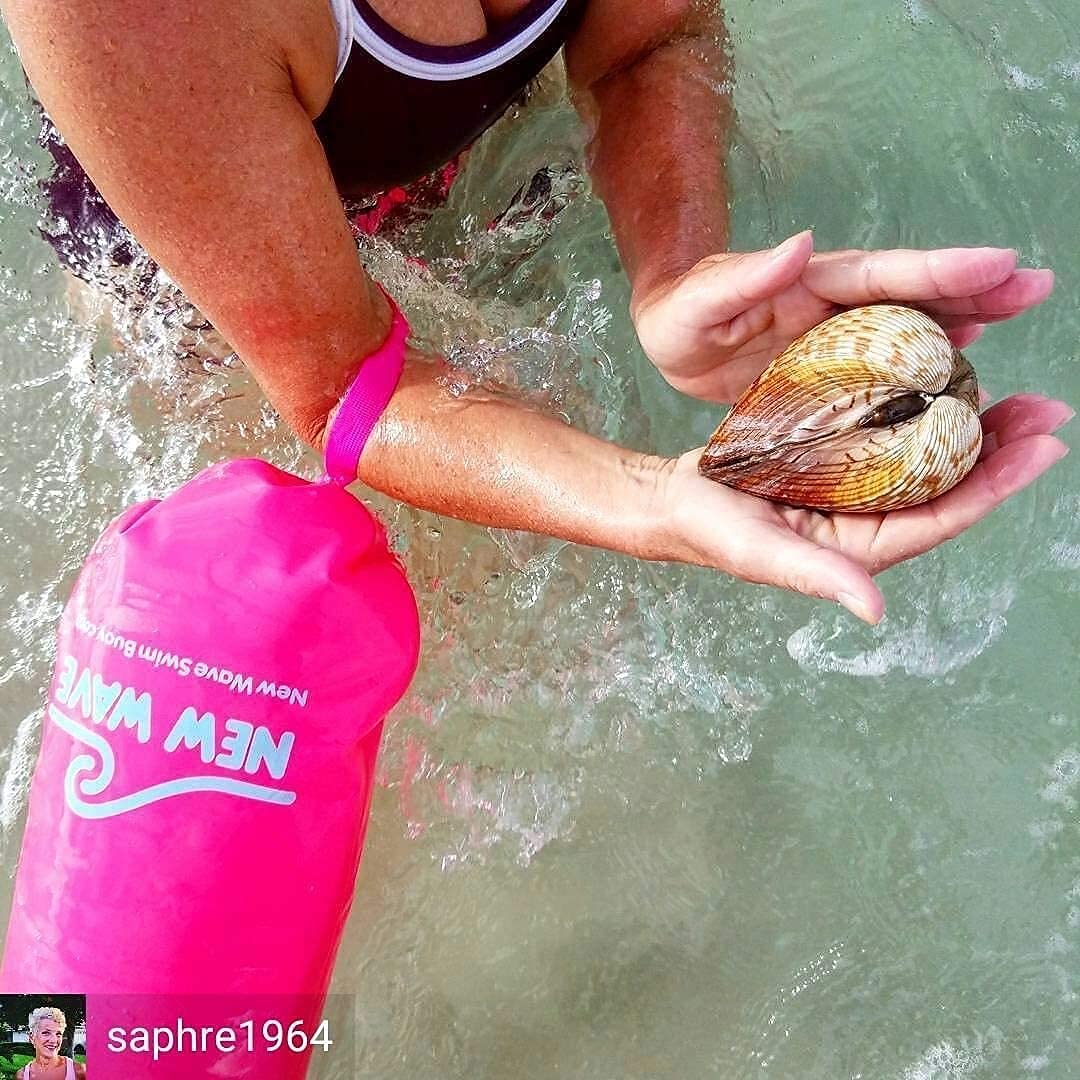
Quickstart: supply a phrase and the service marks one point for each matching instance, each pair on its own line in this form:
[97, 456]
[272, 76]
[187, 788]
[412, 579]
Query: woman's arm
[492, 460]
[652, 81]
[192, 121]
[187, 118]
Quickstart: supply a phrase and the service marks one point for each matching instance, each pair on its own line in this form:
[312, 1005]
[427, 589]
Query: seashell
[873, 409]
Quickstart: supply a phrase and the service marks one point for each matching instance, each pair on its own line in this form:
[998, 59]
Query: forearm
[265, 253]
[659, 129]
[493, 461]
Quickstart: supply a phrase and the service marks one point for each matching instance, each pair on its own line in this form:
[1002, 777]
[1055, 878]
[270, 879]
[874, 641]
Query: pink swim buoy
[197, 813]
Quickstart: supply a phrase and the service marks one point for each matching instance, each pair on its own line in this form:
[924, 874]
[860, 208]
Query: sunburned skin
[401, 456]
[439, 22]
[194, 119]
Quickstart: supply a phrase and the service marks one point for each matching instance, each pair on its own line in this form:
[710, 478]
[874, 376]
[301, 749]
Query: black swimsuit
[401, 108]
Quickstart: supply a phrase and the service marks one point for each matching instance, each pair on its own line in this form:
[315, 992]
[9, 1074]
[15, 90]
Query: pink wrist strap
[365, 400]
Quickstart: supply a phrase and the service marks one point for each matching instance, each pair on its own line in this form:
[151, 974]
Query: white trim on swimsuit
[351, 26]
[342, 11]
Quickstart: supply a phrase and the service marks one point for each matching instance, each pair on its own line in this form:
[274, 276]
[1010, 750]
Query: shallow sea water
[640, 820]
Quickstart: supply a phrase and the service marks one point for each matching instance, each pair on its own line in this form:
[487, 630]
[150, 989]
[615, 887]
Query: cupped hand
[714, 329]
[834, 555]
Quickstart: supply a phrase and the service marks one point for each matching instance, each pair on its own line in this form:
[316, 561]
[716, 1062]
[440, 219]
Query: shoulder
[80, 1070]
[21, 1074]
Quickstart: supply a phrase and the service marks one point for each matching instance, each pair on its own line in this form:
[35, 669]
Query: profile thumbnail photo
[42, 1035]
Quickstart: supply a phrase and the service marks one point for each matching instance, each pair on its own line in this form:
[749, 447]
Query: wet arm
[188, 121]
[649, 78]
[493, 461]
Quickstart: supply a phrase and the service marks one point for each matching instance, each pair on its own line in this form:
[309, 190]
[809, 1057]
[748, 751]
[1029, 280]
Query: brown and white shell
[874, 409]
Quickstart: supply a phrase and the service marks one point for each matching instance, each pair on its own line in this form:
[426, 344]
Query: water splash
[927, 637]
[948, 1060]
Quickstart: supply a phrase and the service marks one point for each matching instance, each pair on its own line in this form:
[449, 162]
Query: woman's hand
[833, 555]
[714, 329]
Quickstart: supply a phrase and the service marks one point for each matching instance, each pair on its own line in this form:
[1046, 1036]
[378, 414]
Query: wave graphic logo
[85, 704]
[91, 703]
[89, 775]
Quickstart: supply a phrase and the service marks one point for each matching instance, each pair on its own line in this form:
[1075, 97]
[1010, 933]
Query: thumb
[725, 288]
[786, 559]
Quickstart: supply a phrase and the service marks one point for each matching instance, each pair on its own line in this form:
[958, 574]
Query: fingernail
[856, 607]
[1066, 419]
[787, 246]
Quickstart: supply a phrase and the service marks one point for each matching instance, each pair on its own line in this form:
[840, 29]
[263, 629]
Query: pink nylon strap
[365, 400]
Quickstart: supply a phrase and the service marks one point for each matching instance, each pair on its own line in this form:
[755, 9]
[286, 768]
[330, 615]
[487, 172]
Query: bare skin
[184, 115]
[45, 1040]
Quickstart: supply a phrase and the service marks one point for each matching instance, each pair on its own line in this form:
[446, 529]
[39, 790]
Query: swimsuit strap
[365, 400]
[451, 63]
[342, 11]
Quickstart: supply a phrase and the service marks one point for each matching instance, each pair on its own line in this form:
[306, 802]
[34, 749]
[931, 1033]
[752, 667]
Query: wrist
[646, 288]
[647, 530]
[681, 526]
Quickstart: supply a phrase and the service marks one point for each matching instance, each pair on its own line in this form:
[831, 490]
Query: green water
[644, 821]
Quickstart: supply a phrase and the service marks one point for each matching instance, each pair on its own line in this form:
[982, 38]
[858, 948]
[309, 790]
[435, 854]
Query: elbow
[313, 430]
[310, 423]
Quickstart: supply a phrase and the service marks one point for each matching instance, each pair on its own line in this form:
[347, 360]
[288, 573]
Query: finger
[774, 555]
[859, 277]
[718, 290]
[954, 322]
[906, 533]
[962, 336]
[1004, 411]
[1019, 416]
[1023, 289]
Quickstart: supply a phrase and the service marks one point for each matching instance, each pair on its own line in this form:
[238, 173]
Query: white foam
[947, 1060]
[902, 644]
[915, 12]
[1022, 80]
